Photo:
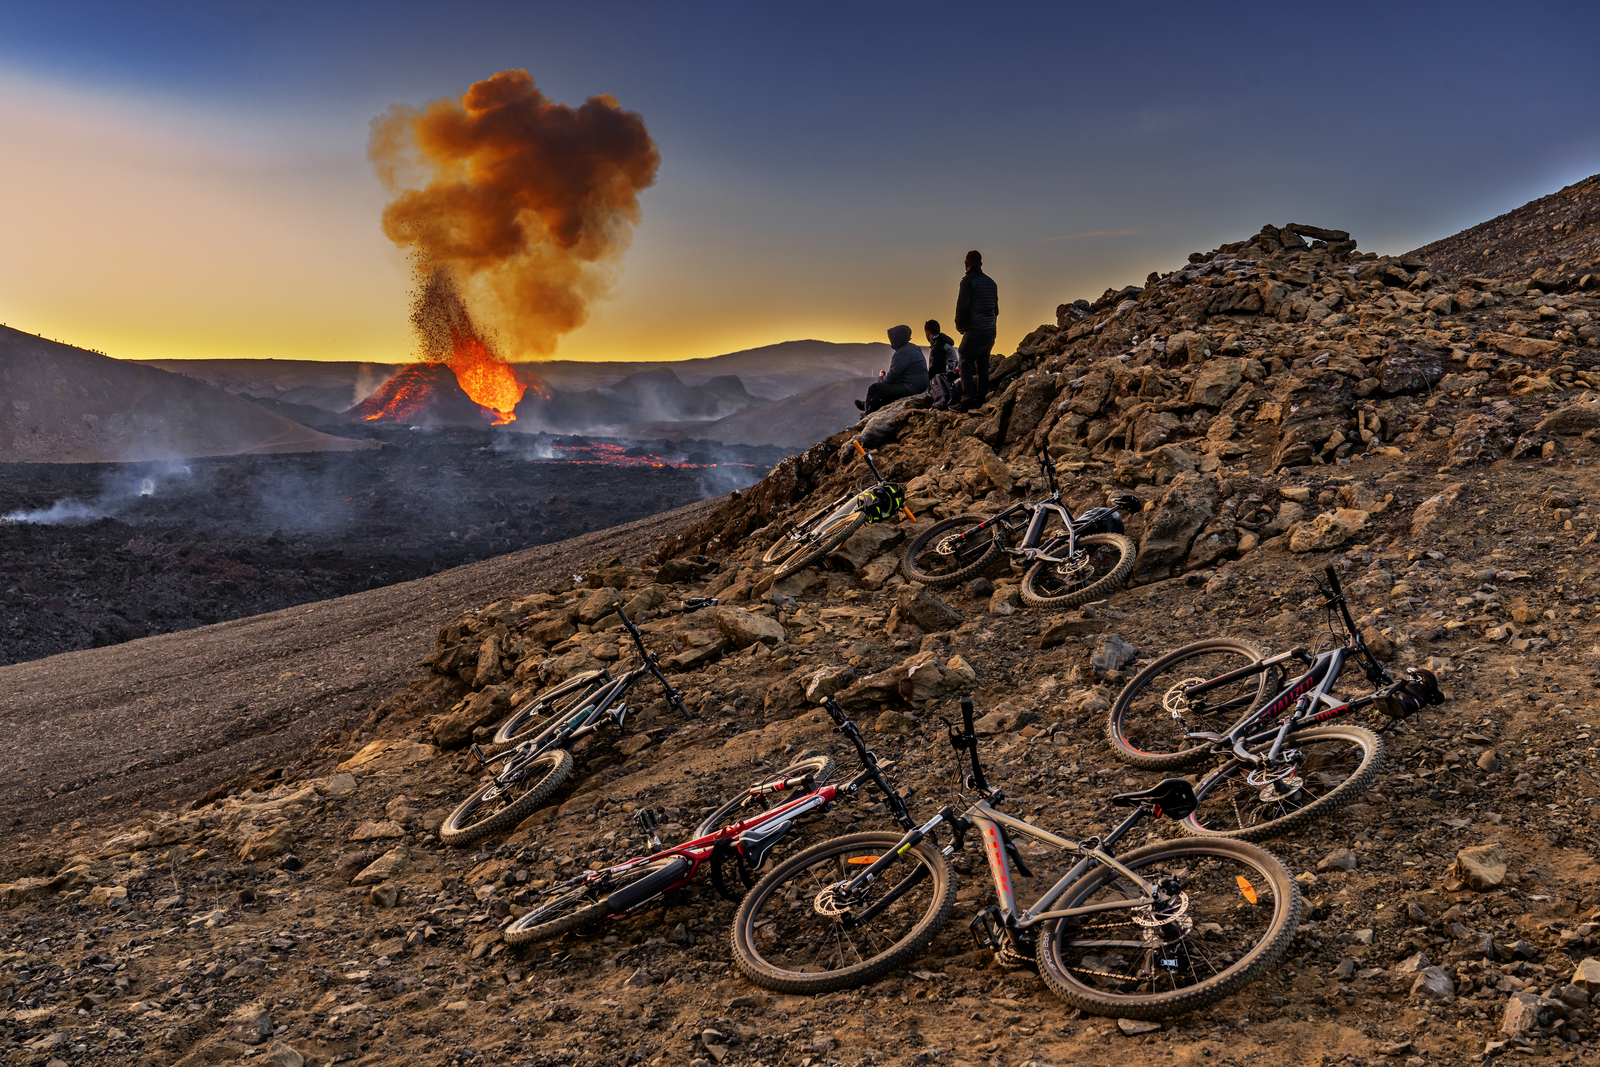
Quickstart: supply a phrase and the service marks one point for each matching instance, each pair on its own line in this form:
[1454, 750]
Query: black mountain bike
[808, 541]
[526, 775]
[734, 841]
[1069, 561]
[1282, 764]
[1158, 931]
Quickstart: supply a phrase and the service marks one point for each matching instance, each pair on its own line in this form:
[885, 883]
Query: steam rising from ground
[124, 488]
[526, 203]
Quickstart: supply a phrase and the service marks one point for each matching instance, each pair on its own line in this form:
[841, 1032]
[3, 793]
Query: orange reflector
[1247, 889]
[863, 861]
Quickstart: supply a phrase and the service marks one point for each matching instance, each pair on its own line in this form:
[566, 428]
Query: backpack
[946, 390]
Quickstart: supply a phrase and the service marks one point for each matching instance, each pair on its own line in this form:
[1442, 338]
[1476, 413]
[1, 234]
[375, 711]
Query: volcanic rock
[745, 628]
[1482, 867]
[924, 609]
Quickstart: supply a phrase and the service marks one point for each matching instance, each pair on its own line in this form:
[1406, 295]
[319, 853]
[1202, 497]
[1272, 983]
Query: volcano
[424, 394]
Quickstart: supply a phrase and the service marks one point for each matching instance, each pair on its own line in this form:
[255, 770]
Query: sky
[190, 180]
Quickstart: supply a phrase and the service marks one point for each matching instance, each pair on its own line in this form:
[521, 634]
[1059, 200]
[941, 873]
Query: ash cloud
[526, 203]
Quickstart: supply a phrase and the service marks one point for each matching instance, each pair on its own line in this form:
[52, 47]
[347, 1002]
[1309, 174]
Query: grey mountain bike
[526, 775]
[1157, 931]
[1281, 760]
[1069, 560]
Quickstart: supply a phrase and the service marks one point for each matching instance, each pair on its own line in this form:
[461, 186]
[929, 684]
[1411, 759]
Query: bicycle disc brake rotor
[1176, 699]
[1074, 568]
[1275, 784]
[831, 902]
[948, 546]
[1164, 921]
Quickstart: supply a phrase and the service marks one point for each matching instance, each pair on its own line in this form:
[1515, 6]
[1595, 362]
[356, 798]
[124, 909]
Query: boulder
[1572, 419]
[1327, 531]
[745, 628]
[273, 842]
[1479, 439]
[827, 681]
[377, 830]
[480, 709]
[1311, 409]
[1406, 371]
[1113, 654]
[1587, 975]
[1433, 513]
[383, 868]
[106, 896]
[1175, 520]
[1433, 984]
[598, 604]
[1034, 398]
[926, 678]
[923, 609]
[867, 543]
[1340, 859]
[1523, 347]
[1482, 867]
[701, 655]
[1527, 1012]
[1003, 720]
[1216, 381]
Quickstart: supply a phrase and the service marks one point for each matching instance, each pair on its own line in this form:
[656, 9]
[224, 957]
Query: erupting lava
[486, 378]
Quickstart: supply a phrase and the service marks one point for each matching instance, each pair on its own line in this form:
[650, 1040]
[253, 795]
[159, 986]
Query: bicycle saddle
[1173, 797]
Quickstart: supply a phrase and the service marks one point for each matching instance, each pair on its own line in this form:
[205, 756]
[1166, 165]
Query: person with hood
[977, 312]
[907, 374]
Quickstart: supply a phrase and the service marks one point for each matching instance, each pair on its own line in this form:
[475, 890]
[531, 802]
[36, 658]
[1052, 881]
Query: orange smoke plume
[526, 203]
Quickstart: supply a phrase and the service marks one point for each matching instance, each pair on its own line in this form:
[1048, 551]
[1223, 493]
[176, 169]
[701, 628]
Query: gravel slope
[88, 734]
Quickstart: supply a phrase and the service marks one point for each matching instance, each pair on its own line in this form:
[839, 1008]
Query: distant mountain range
[789, 394]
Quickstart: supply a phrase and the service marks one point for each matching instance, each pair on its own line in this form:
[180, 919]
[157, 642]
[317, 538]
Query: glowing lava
[485, 377]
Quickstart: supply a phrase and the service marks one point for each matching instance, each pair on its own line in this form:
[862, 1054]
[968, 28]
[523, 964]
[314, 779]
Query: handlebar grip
[860, 448]
[966, 714]
[1333, 579]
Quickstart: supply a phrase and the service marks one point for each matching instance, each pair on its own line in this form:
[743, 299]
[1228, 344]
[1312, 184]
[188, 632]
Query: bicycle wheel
[744, 806]
[834, 531]
[1149, 717]
[500, 807]
[1107, 560]
[544, 711]
[792, 936]
[585, 905]
[787, 544]
[1336, 764]
[1232, 917]
[940, 558]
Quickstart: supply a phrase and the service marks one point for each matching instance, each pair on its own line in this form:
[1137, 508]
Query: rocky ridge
[1286, 401]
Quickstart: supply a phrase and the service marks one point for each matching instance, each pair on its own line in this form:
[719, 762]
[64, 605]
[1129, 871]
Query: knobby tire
[978, 556]
[1144, 734]
[468, 822]
[1231, 942]
[1041, 586]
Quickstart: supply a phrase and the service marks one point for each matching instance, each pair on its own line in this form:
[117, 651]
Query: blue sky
[191, 179]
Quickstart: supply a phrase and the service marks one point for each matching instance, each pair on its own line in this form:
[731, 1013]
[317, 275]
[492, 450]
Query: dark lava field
[94, 554]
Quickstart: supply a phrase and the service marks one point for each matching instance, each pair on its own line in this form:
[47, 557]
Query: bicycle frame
[594, 714]
[820, 798]
[1308, 694]
[1039, 514]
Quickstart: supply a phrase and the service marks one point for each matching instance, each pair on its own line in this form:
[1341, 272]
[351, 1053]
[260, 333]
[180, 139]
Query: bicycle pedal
[646, 820]
[987, 929]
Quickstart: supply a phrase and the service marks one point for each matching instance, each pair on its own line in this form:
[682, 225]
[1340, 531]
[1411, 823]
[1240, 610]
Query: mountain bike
[1157, 931]
[527, 774]
[809, 540]
[1069, 561]
[734, 840]
[1282, 765]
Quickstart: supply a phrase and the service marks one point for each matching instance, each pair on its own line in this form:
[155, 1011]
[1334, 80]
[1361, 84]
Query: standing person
[907, 374]
[943, 364]
[977, 310]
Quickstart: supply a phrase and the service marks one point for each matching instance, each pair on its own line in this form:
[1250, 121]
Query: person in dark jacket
[907, 374]
[941, 350]
[977, 311]
[943, 361]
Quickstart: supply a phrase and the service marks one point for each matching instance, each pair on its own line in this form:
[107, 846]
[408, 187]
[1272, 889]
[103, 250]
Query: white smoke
[124, 489]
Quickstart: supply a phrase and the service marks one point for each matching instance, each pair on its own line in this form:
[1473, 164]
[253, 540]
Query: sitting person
[944, 375]
[907, 374]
